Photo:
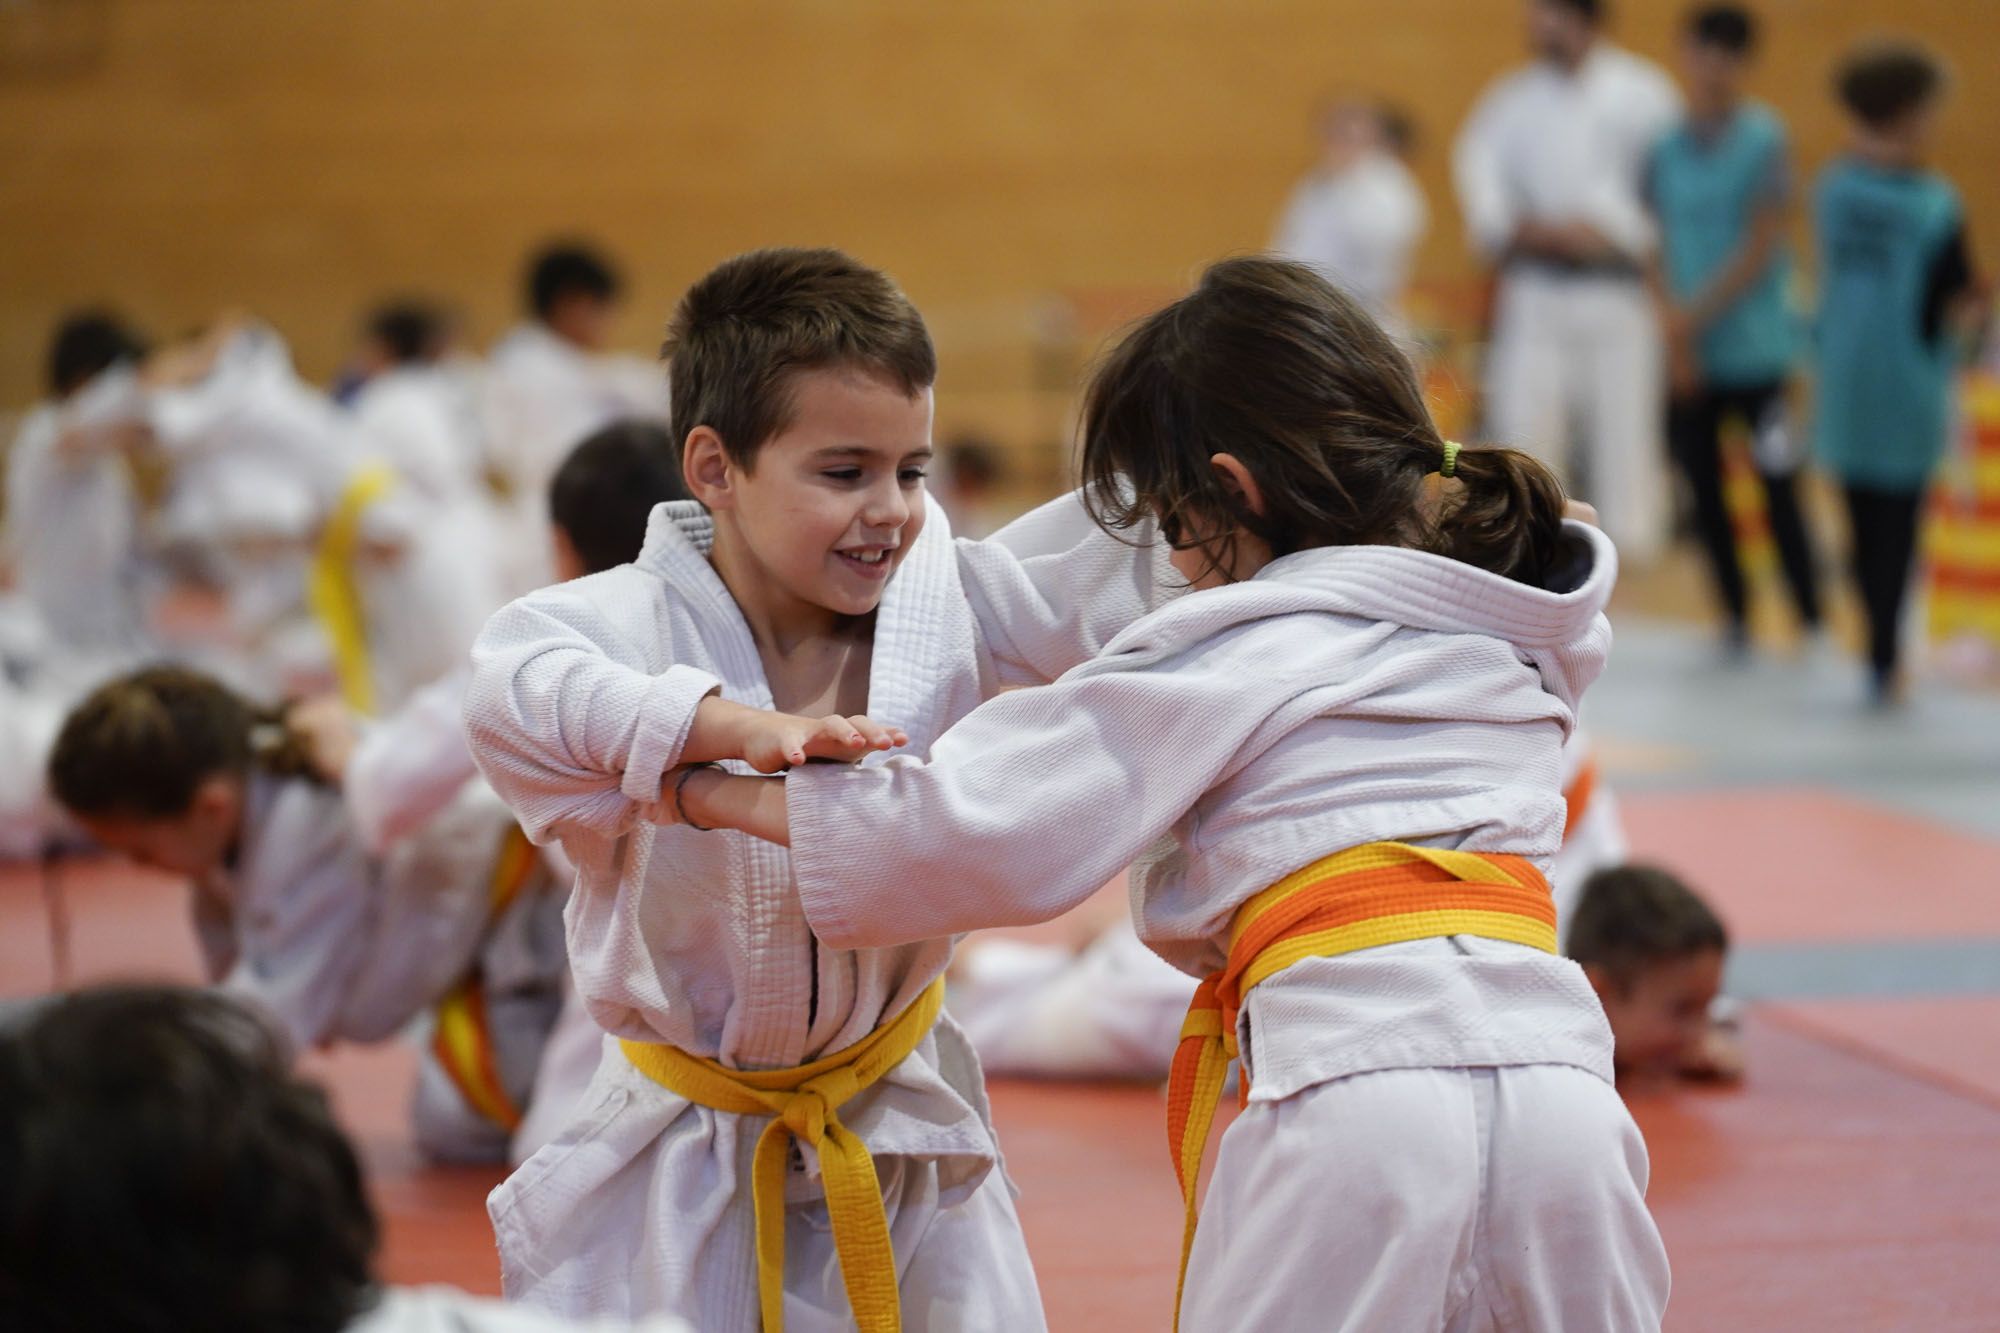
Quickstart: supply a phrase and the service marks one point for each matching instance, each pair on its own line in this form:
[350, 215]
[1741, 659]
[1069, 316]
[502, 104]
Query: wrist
[688, 798]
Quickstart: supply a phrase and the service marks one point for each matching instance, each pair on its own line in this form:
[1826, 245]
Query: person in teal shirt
[1896, 282]
[1720, 186]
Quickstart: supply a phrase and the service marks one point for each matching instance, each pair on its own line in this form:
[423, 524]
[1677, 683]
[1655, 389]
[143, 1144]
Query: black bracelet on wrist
[680, 810]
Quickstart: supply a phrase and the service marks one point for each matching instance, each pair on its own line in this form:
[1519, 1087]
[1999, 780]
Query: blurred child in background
[1720, 185]
[1896, 284]
[1654, 953]
[162, 1169]
[1359, 216]
[177, 772]
[551, 381]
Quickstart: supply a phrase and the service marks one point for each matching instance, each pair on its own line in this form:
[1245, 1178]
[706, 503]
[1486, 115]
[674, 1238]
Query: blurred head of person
[573, 290]
[1891, 91]
[404, 333]
[1561, 31]
[801, 400]
[604, 493]
[161, 1170]
[154, 765]
[1654, 953]
[1350, 128]
[86, 344]
[1716, 48]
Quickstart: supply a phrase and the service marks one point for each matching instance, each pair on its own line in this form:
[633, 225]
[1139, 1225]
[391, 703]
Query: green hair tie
[1451, 448]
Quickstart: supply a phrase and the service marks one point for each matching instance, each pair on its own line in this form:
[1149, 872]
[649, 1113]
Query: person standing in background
[1720, 185]
[1359, 215]
[1548, 170]
[1896, 282]
[550, 382]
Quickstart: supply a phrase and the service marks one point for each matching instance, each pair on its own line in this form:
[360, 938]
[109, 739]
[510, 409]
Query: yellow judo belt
[461, 1037]
[803, 1104]
[1377, 893]
[333, 591]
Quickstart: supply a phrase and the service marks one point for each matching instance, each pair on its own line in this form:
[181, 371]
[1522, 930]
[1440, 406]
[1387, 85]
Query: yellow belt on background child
[1378, 893]
[333, 591]
[461, 1038]
[803, 1103]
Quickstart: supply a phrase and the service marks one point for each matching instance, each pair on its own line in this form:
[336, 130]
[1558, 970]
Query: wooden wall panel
[300, 157]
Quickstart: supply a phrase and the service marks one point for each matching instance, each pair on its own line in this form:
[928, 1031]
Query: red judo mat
[1853, 1182]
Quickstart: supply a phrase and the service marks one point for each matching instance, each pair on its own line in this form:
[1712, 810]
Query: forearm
[718, 800]
[1733, 278]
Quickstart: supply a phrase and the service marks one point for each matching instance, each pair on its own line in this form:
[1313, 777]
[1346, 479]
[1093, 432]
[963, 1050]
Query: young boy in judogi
[813, 577]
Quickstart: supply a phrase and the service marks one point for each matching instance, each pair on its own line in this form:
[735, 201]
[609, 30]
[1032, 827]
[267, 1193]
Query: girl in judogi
[811, 574]
[291, 911]
[1340, 757]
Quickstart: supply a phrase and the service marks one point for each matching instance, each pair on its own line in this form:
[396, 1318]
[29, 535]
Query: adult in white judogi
[1433, 1138]
[581, 695]
[1549, 170]
[1359, 216]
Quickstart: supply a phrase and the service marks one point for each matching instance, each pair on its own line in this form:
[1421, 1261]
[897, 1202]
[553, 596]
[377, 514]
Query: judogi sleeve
[1026, 807]
[1479, 173]
[410, 765]
[1052, 588]
[571, 737]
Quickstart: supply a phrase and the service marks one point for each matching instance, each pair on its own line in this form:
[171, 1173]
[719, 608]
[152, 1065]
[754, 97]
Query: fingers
[846, 739]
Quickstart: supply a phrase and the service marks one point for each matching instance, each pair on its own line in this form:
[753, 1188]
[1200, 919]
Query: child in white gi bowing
[1352, 730]
[294, 914]
[812, 576]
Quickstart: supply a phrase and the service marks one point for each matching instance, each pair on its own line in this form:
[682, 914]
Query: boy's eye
[913, 475]
[843, 474]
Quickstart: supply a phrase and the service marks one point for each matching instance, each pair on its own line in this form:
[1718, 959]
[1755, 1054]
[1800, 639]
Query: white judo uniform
[1576, 360]
[542, 395]
[581, 697]
[1433, 1138]
[405, 769]
[1358, 227]
[72, 529]
[338, 945]
[446, 1310]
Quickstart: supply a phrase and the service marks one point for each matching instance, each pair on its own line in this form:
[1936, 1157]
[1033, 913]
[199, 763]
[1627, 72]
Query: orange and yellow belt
[1378, 893]
[803, 1104]
[461, 1037]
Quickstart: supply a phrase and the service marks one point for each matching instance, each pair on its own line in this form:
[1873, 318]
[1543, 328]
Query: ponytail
[1500, 510]
[141, 744]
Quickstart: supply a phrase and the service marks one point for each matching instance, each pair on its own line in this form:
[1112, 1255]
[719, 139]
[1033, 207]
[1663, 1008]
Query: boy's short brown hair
[1633, 917]
[740, 335]
[1882, 82]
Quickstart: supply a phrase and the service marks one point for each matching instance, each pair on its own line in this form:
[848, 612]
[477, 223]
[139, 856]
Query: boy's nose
[887, 507]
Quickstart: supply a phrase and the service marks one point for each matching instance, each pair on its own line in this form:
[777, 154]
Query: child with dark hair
[72, 512]
[1351, 727]
[604, 494]
[811, 574]
[1896, 283]
[552, 381]
[162, 1169]
[1720, 184]
[174, 770]
[1654, 953]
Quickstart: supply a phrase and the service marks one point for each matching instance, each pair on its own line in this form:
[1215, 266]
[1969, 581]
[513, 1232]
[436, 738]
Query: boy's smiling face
[832, 503]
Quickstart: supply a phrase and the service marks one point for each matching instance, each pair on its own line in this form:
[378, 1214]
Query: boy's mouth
[870, 562]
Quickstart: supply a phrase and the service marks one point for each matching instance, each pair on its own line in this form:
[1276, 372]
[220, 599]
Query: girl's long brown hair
[141, 744]
[1269, 362]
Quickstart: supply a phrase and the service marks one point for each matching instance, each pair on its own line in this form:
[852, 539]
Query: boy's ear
[1600, 980]
[706, 469]
[1236, 479]
[215, 797]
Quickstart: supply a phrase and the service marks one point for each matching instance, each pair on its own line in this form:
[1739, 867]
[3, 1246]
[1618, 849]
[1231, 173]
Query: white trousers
[1431, 1199]
[1576, 367]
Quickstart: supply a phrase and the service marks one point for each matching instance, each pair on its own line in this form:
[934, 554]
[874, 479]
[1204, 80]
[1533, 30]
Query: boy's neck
[1714, 112]
[780, 623]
